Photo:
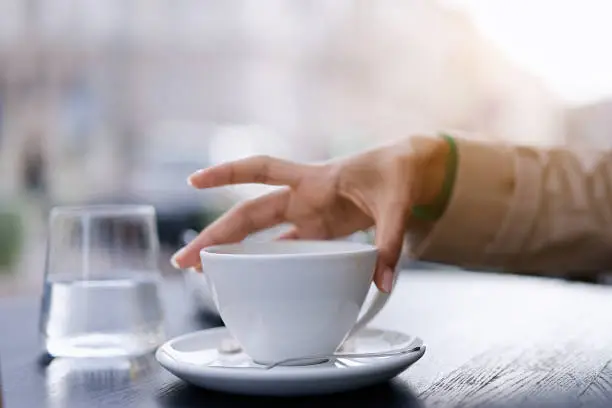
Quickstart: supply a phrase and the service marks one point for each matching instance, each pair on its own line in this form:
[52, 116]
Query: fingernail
[190, 178]
[387, 282]
[173, 260]
[198, 268]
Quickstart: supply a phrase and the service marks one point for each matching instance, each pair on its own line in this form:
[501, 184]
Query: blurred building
[132, 95]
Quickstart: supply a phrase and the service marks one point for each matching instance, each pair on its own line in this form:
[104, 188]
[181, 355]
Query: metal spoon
[335, 356]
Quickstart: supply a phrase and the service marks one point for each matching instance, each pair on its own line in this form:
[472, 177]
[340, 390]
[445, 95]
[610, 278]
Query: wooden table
[492, 340]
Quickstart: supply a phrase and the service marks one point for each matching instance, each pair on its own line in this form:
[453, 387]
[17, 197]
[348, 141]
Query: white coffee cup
[292, 299]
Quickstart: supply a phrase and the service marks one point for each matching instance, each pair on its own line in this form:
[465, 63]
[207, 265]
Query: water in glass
[101, 287]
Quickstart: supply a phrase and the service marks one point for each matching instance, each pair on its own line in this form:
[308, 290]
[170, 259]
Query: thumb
[390, 229]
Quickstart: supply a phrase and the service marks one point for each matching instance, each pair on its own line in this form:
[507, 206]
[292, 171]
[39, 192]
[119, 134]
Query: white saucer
[196, 358]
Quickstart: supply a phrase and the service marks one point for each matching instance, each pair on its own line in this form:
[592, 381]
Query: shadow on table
[386, 395]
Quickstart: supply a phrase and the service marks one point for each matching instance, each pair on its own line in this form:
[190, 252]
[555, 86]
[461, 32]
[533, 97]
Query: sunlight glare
[565, 42]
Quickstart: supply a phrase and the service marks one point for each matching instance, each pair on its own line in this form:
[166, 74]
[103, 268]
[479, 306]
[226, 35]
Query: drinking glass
[101, 295]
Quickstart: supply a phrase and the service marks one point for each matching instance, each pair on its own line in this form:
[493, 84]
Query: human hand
[324, 201]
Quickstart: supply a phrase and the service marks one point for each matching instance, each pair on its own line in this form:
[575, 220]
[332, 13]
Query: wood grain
[599, 390]
[493, 340]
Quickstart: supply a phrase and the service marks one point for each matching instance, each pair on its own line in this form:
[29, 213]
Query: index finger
[254, 215]
[256, 169]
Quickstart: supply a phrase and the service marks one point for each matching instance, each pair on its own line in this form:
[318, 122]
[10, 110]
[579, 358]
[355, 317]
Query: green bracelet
[434, 211]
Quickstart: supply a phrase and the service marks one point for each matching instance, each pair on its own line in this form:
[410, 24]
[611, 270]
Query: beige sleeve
[524, 209]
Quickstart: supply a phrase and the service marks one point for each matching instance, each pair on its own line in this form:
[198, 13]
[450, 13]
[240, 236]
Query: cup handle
[371, 311]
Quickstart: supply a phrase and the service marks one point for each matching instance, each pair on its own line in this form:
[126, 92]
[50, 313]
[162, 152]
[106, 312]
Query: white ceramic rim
[345, 248]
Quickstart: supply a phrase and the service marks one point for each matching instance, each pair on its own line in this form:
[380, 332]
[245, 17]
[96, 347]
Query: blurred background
[117, 101]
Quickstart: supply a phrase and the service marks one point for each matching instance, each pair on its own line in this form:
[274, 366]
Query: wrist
[437, 185]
